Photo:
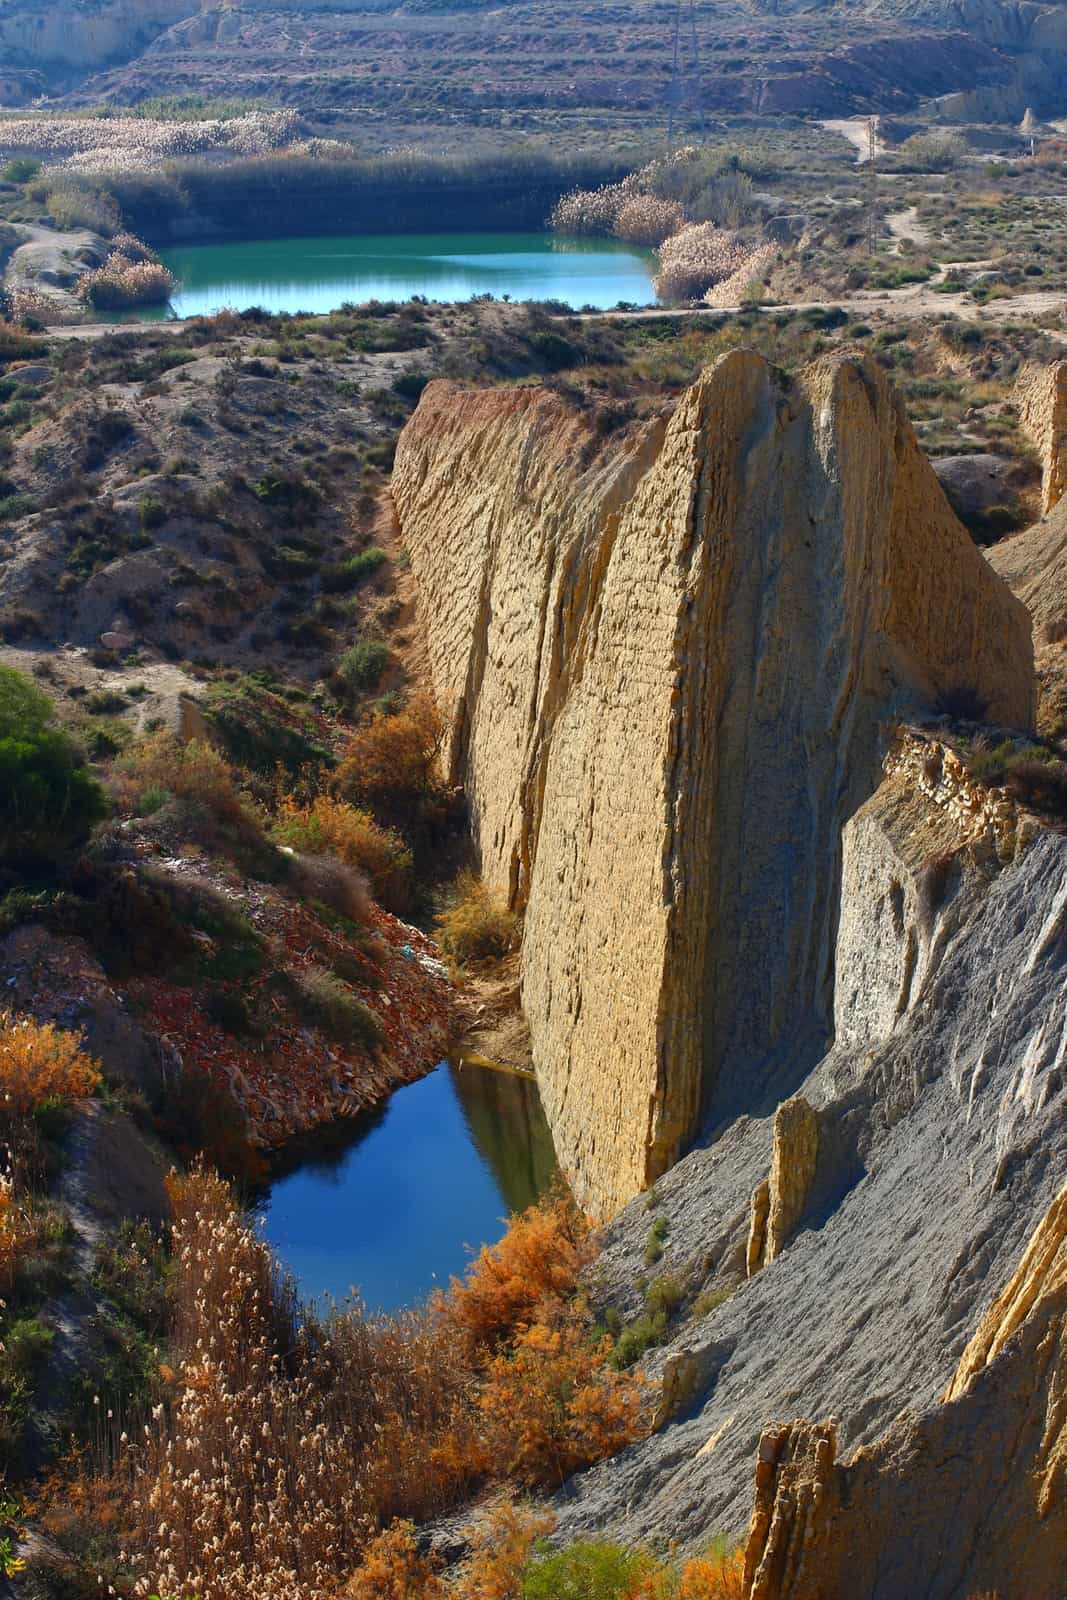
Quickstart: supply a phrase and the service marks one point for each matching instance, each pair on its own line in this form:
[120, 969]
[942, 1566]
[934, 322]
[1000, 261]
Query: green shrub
[347, 574]
[586, 1570]
[153, 513]
[20, 170]
[360, 668]
[261, 729]
[326, 1002]
[48, 800]
[656, 1235]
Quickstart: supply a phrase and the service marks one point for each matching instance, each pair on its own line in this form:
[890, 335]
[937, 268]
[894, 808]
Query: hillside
[556, 66]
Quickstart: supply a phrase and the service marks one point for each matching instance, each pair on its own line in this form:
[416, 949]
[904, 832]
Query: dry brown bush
[328, 825]
[334, 884]
[393, 757]
[194, 772]
[121, 284]
[474, 928]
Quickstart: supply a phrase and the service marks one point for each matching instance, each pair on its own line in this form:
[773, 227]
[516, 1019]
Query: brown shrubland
[289, 1443]
[392, 757]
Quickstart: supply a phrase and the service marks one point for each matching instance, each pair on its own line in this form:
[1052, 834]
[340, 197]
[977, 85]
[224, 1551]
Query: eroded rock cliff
[942, 1146]
[669, 663]
[972, 1495]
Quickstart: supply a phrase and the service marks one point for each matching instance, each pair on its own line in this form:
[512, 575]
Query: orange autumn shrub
[393, 1569]
[501, 1546]
[40, 1062]
[328, 826]
[292, 1439]
[500, 1550]
[540, 1258]
[393, 757]
[552, 1405]
[716, 1576]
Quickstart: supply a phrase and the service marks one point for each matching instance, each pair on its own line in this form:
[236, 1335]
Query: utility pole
[872, 180]
[684, 75]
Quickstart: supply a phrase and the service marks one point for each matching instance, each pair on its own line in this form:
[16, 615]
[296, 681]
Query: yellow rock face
[1041, 395]
[668, 663]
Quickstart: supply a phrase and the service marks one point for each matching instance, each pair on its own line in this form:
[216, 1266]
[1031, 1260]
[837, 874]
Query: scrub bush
[352, 834]
[392, 757]
[39, 1062]
[474, 928]
[194, 772]
[48, 800]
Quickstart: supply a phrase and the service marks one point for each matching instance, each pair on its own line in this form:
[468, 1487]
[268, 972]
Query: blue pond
[392, 1203]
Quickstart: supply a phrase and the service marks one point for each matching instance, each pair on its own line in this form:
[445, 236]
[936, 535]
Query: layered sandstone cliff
[1041, 396]
[669, 664]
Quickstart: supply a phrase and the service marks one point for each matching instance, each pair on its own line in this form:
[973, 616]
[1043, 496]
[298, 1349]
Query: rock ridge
[669, 664]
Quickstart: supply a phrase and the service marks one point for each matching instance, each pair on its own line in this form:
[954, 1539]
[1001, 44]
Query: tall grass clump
[474, 927]
[122, 284]
[696, 259]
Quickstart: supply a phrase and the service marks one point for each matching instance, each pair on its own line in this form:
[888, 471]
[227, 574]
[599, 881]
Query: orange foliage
[500, 1549]
[12, 1231]
[393, 1569]
[328, 825]
[552, 1405]
[393, 757]
[539, 1258]
[718, 1577]
[39, 1062]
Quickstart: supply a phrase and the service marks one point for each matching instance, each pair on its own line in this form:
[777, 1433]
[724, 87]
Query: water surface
[392, 1203]
[321, 274]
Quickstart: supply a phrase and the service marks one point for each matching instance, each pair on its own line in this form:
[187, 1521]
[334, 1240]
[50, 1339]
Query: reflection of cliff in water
[504, 1115]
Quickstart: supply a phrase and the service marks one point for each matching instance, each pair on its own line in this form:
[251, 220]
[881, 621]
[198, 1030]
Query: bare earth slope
[420, 62]
[669, 664]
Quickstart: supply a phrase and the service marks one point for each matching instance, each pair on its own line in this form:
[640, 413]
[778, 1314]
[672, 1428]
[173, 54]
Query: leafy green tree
[48, 798]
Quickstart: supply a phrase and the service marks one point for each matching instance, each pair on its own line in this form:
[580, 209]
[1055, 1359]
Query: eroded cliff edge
[670, 664]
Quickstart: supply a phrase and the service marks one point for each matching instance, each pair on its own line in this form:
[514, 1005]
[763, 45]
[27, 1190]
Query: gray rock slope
[941, 1149]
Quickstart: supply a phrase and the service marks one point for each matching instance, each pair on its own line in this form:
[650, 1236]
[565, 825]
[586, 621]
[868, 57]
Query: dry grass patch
[475, 929]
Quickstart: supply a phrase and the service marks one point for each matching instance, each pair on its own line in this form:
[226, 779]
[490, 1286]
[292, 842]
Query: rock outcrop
[779, 1203]
[669, 662]
[1041, 396]
[973, 1496]
[942, 1145]
[914, 857]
